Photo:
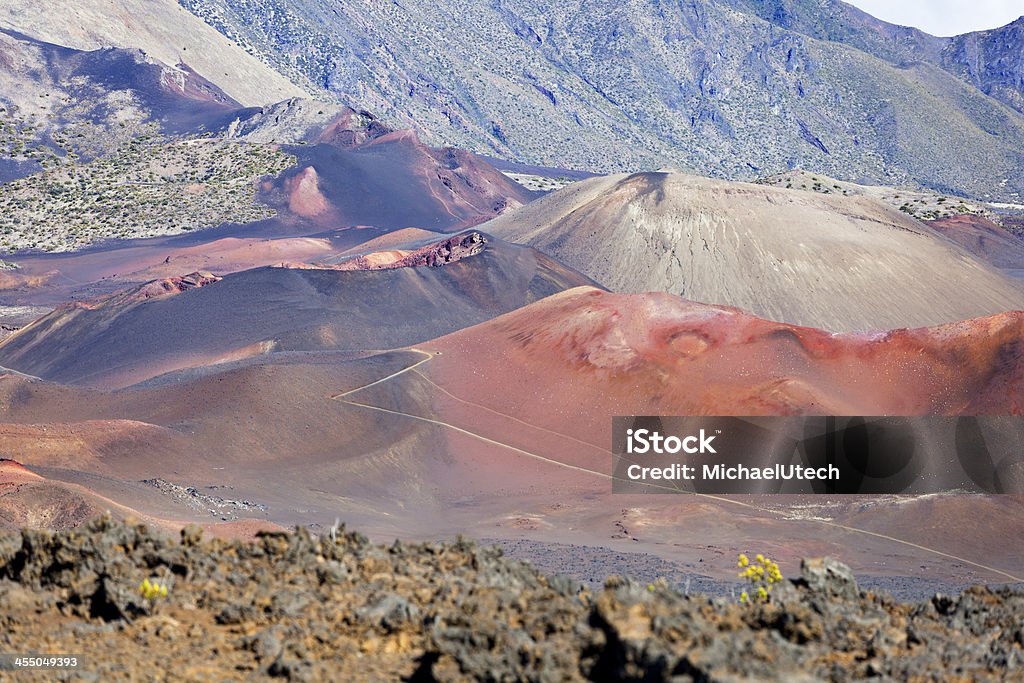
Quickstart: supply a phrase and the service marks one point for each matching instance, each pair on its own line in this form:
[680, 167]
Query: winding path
[768, 511]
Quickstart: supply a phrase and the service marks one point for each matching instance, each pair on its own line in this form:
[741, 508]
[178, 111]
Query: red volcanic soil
[54, 279]
[399, 239]
[98, 446]
[15, 280]
[389, 180]
[157, 289]
[983, 238]
[29, 500]
[13, 473]
[245, 529]
[658, 354]
[232, 254]
[525, 403]
[502, 430]
[344, 190]
[304, 196]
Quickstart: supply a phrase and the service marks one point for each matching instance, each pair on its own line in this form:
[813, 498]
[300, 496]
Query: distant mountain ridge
[728, 88]
[991, 60]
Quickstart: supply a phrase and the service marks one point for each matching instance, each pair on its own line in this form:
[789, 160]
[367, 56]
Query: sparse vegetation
[17, 137]
[540, 183]
[565, 86]
[924, 205]
[149, 186]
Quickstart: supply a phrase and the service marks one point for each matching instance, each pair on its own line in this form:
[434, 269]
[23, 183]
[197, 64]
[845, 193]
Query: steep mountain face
[993, 61]
[839, 22]
[606, 85]
[117, 144]
[106, 87]
[59, 103]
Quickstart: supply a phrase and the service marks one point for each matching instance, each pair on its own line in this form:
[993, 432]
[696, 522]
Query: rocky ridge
[433, 255]
[307, 608]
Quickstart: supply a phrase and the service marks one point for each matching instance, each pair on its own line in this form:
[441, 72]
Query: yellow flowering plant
[761, 574]
[151, 590]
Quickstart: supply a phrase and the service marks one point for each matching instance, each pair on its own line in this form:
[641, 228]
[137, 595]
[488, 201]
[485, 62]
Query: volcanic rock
[454, 612]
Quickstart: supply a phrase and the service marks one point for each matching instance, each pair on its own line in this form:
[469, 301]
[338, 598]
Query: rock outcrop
[336, 607]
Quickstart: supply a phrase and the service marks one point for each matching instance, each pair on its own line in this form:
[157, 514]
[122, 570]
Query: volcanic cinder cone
[836, 263]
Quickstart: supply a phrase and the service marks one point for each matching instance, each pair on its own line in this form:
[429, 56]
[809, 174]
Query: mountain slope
[841, 22]
[828, 261]
[359, 172]
[201, 319]
[991, 60]
[985, 239]
[160, 28]
[647, 354]
[608, 85]
[481, 431]
[51, 81]
[60, 104]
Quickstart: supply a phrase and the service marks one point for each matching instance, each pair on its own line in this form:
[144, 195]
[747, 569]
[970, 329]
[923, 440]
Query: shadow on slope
[131, 336]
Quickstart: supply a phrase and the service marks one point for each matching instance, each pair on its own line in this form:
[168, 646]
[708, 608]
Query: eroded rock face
[337, 607]
[829, 577]
[156, 289]
[449, 251]
[433, 255]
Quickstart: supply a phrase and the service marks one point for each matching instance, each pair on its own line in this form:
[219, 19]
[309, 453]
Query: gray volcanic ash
[837, 263]
[128, 337]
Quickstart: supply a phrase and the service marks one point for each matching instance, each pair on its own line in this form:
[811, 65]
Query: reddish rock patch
[983, 238]
[433, 255]
[157, 289]
[304, 196]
